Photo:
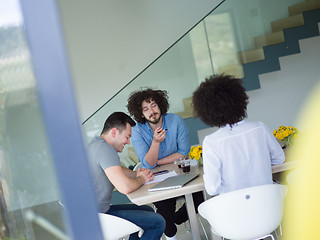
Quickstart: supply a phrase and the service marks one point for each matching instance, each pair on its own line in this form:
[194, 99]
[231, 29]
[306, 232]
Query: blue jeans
[152, 223]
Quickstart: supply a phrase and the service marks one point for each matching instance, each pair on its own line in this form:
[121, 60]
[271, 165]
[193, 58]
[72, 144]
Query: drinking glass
[185, 165]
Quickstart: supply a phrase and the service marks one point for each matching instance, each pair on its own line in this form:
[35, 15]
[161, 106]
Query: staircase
[306, 27]
[289, 88]
[302, 23]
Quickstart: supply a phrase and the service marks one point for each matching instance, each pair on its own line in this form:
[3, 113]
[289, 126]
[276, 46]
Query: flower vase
[200, 162]
[288, 141]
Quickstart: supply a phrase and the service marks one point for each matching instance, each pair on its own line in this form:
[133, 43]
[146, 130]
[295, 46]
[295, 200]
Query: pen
[163, 129]
[160, 172]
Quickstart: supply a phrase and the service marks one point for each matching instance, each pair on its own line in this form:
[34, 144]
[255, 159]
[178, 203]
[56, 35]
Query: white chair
[115, 228]
[250, 213]
[139, 165]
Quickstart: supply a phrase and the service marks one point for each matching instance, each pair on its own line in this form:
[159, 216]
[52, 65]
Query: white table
[283, 167]
[142, 196]
[287, 165]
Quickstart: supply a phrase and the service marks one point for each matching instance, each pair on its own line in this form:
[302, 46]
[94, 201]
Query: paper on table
[162, 177]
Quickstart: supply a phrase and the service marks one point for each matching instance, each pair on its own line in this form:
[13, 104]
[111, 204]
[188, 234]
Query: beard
[154, 121]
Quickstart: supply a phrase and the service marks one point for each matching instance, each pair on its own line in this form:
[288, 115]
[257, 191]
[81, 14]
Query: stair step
[185, 115]
[294, 28]
[251, 55]
[187, 103]
[188, 109]
[234, 70]
[289, 22]
[302, 7]
[269, 39]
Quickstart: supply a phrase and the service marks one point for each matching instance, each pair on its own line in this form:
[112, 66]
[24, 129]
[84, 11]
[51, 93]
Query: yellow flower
[195, 152]
[286, 134]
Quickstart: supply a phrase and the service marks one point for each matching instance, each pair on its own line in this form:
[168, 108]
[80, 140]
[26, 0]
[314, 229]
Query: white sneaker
[171, 238]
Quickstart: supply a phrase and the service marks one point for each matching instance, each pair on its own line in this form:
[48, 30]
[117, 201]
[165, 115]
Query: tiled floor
[185, 234]
[52, 213]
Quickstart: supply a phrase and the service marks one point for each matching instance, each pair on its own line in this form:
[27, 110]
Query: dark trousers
[167, 209]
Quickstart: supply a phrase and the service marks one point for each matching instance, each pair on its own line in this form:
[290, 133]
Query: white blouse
[239, 157]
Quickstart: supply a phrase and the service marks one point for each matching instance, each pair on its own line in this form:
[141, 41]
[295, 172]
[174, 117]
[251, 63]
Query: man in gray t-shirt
[108, 174]
[102, 156]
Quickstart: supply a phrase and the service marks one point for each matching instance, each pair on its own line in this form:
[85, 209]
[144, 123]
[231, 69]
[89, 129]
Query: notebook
[174, 182]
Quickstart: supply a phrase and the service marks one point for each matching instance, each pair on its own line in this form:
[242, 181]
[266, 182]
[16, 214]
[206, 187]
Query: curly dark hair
[220, 100]
[136, 98]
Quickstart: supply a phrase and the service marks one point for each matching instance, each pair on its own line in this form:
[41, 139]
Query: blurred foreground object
[302, 209]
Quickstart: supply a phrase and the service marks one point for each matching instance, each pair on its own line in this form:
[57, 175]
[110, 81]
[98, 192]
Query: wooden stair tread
[304, 6]
[269, 39]
[252, 55]
[288, 22]
[187, 104]
[188, 109]
[185, 115]
[235, 70]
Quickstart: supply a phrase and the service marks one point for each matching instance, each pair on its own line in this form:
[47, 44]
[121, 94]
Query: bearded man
[160, 138]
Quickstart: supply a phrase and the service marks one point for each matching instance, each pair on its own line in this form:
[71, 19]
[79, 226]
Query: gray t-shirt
[102, 156]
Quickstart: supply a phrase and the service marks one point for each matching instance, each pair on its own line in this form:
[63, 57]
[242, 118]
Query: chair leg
[154, 208]
[280, 231]
[269, 235]
[186, 227]
[204, 230]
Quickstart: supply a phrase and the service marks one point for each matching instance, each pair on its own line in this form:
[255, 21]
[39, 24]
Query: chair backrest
[114, 227]
[246, 213]
[139, 165]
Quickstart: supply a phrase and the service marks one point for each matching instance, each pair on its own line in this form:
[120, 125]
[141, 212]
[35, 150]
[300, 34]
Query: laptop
[174, 182]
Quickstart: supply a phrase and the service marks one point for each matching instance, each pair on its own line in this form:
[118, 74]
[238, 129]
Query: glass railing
[233, 35]
[28, 185]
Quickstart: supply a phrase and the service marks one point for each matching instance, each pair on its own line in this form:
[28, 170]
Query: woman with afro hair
[240, 153]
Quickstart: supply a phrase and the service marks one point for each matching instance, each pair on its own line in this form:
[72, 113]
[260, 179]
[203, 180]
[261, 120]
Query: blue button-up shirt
[177, 138]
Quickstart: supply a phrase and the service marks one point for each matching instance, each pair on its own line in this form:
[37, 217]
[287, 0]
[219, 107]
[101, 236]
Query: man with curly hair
[240, 153]
[160, 138]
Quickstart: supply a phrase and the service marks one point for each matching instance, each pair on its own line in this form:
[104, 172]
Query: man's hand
[159, 134]
[126, 180]
[145, 174]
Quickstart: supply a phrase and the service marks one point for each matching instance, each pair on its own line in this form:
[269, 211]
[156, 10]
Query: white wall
[174, 72]
[110, 42]
[283, 93]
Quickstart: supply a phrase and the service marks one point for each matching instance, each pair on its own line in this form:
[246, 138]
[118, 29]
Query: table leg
[192, 217]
